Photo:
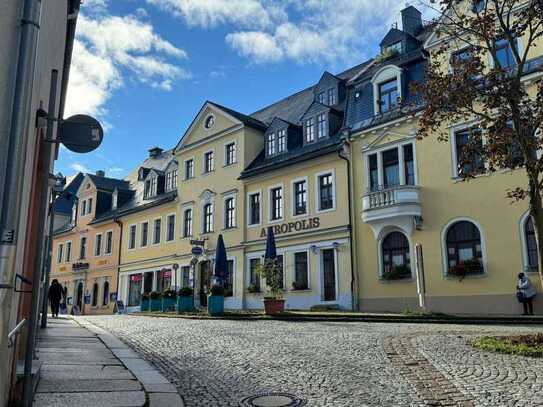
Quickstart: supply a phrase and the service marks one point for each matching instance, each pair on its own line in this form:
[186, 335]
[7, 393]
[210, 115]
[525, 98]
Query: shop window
[300, 271]
[254, 278]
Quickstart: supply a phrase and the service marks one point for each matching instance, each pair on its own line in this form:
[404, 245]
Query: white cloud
[107, 48]
[79, 167]
[115, 169]
[259, 46]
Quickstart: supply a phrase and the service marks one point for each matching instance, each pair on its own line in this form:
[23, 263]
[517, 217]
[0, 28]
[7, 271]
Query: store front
[133, 284]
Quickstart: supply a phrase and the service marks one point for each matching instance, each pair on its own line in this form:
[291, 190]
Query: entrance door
[79, 296]
[148, 282]
[134, 290]
[205, 281]
[329, 274]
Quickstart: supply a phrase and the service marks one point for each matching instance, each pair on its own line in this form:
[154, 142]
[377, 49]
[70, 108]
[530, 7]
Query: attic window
[321, 97]
[209, 122]
[395, 48]
[276, 142]
[332, 97]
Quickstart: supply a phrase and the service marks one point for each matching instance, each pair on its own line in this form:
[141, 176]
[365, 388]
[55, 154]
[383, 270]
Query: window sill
[300, 290]
[230, 165]
[275, 221]
[208, 173]
[255, 225]
[326, 210]
[396, 280]
[229, 229]
[473, 276]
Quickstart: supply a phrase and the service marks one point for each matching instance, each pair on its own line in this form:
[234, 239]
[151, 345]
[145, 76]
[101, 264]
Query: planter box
[168, 304]
[274, 307]
[185, 304]
[155, 304]
[215, 305]
[144, 306]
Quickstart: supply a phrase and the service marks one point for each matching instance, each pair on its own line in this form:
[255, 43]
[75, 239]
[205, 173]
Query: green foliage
[398, 272]
[185, 292]
[169, 293]
[272, 271]
[386, 55]
[217, 290]
[154, 295]
[471, 266]
[253, 288]
[526, 345]
[145, 296]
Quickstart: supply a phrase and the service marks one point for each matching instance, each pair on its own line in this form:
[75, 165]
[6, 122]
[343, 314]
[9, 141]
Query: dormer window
[388, 95]
[321, 97]
[171, 180]
[322, 130]
[394, 49]
[309, 130]
[150, 188]
[276, 142]
[147, 189]
[387, 89]
[332, 97]
[281, 140]
[271, 144]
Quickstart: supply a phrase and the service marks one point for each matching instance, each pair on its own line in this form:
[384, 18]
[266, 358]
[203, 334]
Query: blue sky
[145, 67]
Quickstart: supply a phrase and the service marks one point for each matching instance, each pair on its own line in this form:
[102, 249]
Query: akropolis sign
[296, 226]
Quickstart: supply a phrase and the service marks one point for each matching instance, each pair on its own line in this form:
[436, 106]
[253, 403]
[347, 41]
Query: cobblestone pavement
[218, 362]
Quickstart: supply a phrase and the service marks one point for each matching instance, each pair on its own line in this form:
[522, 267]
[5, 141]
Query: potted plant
[274, 303]
[458, 271]
[155, 301]
[253, 288]
[168, 300]
[397, 272]
[185, 300]
[144, 306]
[215, 301]
[473, 266]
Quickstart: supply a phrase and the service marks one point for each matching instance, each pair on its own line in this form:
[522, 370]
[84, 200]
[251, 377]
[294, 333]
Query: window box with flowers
[399, 272]
[466, 268]
[253, 289]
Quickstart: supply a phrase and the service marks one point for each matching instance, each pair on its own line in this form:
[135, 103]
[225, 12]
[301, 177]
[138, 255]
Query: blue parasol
[221, 262]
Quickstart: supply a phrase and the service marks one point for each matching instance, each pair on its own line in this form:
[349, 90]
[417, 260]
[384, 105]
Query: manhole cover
[273, 400]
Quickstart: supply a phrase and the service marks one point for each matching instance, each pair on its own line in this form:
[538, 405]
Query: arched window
[105, 299]
[395, 256]
[464, 251]
[95, 294]
[531, 244]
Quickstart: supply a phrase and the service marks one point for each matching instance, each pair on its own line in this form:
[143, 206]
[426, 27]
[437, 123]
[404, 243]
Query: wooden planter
[144, 306]
[274, 306]
[215, 305]
[185, 304]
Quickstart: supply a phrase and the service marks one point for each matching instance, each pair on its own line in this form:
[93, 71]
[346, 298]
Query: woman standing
[525, 287]
[55, 294]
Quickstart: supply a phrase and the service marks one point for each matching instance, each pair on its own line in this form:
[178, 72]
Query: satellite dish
[81, 133]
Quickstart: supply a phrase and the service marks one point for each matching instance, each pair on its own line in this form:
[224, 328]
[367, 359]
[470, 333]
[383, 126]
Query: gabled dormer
[320, 122]
[142, 173]
[330, 90]
[397, 42]
[281, 137]
[153, 184]
[171, 176]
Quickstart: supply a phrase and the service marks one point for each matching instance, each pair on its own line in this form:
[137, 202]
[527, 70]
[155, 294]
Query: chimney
[100, 173]
[155, 152]
[411, 21]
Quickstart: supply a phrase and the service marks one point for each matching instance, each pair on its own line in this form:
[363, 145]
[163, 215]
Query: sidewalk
[83, 365]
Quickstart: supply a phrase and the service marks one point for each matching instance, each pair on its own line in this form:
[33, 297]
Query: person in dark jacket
[55, 295]
[528, 291]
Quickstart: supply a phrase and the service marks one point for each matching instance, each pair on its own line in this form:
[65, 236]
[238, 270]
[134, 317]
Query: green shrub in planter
[215, 301]
[155, 301]
[168, 300]
[253, 288]
[399, 272]
[144, 306]
[185, 300]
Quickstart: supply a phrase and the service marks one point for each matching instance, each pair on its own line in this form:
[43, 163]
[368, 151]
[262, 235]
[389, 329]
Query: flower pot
[215, 305]
[274, 306]
[144, 306]
[168, 304]
[155, 304]
[185, 304]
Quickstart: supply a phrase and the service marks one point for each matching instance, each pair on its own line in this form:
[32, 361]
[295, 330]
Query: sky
[144, 68]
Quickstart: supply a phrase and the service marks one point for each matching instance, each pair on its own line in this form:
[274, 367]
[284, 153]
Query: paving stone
[165, 400]
[105, 399]
[86, 385]
[59, 372]
[160, 388]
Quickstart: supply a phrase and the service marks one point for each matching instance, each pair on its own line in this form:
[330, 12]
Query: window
[144, 234]
[395, 47]
[300, 271]
[84, 208]
[105, 296]
[209, 164]
[68, 251]
[478, 6]
[189, 169]
[229, 279]
[98, 245]
[83, 248]
[373, 173]
[171, 180]
[164, 280]
[388, 95]
[157, 231]
[321, 97]
[185, 276]
[464, 252]
[95, 294]
[208, 218]
[322, 130]
[391, 175]
[254, 209]
[147, 189]
[531, 244]
[229, 213]
[132, 237]
[281, 140]
[409, 168]
[326, 192]
[60, 253]
[174, 179]
[271, 144]
[254, 278]
[461, 57]
[89, 206]
[154, 182]
[109, 242]
[230, 154]
[276, 197]
[468, 159]
[332, 97]
[187, 223]
[504, 55]
[170, 234]
[395, 257]
[309, 130]
[300, 198]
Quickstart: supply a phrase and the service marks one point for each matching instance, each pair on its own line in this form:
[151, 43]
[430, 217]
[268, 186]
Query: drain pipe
[120, 224]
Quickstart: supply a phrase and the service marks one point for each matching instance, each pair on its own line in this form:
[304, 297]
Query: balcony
[397, 206]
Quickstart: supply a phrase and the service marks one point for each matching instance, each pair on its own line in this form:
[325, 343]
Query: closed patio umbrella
[221, 262]
[271, 250]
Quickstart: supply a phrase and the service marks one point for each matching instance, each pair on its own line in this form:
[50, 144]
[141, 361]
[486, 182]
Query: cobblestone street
[218, 362]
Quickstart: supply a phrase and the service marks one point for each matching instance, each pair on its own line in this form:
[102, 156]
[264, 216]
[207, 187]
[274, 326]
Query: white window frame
[293, 277]
[67, 258]
[202, 223]
[168, 226]
[98, 253]
[161, 228]
[385, 74]
[135, 226]
[60, 253]
[317, 191]
[382, 235]
[234, 269]
[293, 198]
[470, 125]
[105, 247]
[204, 172]
[321, 274]
[445, 254]
[249, 257]
[270, 204]
[141, 246]
[249, 194]
[185, 209]
[235, 159]
[185, 168]
[235, 223]
[524, 244]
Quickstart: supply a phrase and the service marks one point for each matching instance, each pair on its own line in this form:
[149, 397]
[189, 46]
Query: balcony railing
[401, 200]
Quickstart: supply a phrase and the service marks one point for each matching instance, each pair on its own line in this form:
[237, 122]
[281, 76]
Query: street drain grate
[273, 400]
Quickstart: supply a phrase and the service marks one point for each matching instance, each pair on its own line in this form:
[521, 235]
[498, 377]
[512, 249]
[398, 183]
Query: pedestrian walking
[55, 294]
[526, 293]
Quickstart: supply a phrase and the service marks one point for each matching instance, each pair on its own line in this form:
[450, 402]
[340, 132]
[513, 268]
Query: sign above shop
[197, 250]
[297, 226]
[80, 266]
[197, 242]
